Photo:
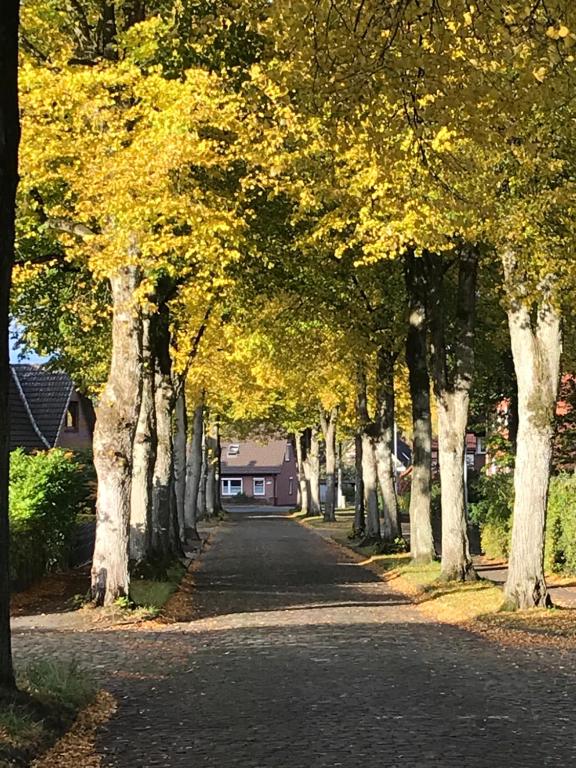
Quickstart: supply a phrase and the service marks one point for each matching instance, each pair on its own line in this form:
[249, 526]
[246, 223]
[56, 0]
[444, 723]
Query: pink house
[262, 472]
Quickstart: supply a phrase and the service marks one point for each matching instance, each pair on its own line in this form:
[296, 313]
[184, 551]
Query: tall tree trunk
[143, 456]
[218, 469]
[211, 470]
[340, 498]
[201, 498]
[162, 487]
[194, 471]
[116, 422]
[180, 434]
[421, 536]
[391, 526]
[368, 433]
[370, 484]
[452, 420]
[359, 513]
[536, 348]
[328, 422]
[301, 453]
[312, 464]
[9, 138]
[453, 373]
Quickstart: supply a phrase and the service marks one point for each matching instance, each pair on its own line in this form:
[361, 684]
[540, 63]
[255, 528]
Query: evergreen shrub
[47, 491]
[561, 524]
[492, 512]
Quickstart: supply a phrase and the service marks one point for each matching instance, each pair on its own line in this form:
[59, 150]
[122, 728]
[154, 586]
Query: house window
[259, 486]
[470, 460]
[290, 486]
[481, 445]
[233, 449]
[287, 454]
[72, 417]
[231, 486]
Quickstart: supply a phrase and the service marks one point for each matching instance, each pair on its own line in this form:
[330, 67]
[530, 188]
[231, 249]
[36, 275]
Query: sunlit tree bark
[116, 422]
[535, 332]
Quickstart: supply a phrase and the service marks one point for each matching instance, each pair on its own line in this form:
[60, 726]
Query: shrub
[47, 491]
[493, 512]
[561, 524]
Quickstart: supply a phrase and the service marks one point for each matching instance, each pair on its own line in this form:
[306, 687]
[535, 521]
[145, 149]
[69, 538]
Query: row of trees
[219, 213]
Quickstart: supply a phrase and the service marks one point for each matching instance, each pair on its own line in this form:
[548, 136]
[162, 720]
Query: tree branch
[75, 228]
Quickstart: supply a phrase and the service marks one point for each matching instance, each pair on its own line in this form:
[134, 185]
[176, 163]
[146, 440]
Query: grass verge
[150, 594]
[475, 605]
[48, 699]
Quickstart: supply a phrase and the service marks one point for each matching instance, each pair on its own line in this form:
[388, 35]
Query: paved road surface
[299, 658]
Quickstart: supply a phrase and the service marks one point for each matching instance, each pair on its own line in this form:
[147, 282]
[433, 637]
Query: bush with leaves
[561, 524]
[47, 491]
[492, 512]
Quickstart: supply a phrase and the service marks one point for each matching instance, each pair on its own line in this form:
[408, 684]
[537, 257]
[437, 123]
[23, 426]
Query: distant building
[46, 411]
[259, 472]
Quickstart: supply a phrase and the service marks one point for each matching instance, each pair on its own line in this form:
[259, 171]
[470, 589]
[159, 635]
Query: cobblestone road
[299, 658]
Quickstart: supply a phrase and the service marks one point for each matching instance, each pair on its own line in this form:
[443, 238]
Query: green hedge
[561, 524]
[47, 491]
[493, 512]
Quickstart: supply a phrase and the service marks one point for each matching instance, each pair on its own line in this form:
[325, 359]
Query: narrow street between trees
[296, 656]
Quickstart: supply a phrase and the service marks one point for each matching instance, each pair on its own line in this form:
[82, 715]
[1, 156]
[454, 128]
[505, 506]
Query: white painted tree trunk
[421, 536]
[117, 419]
[365, 452]
[328, 422]
[313, 461]
[194, 471]
[162, 490]
[211, 470]
[370, 485]
[201, 499]
[385, 467]
[301, 468]
[536, 348]
[453, 367]
[340, 498]
[180, 435]
[452, 420]
[391, 527]
[143, 456]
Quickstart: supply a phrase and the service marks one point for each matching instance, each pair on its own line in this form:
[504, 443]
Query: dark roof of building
[38, 400]
[254, 458]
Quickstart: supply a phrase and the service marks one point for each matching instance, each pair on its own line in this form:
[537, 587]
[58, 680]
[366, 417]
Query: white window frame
[226, 486]
[259, 480]
[480, 445]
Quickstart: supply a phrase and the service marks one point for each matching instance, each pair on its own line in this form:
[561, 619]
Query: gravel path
[298, 657]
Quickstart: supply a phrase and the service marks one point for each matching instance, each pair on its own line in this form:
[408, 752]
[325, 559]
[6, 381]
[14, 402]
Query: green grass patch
[153, 593]
[453, 602]
[49, 697]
